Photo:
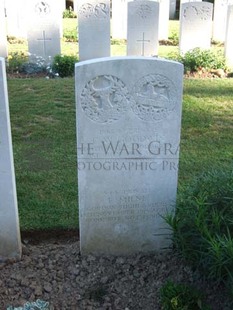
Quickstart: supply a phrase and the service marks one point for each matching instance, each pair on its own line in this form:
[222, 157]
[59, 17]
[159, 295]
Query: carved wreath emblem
[154, 98]
[42, 8]
[143, 11]
[105, 99]
[203, 12]
[100, 10]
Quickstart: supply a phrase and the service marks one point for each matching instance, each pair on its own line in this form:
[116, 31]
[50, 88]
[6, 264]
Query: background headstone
[195, 26]
[164, 19]
[75, 6]
[220, 18]
[3, 38]
[164, 8]
[94, 29]
[228, 40]
[10, 246]
[16, 18]
[128, 134]
[45, 18]
[142, 30]
[119, 19]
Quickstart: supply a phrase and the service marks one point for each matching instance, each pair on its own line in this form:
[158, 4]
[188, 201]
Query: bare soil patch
[52, 269]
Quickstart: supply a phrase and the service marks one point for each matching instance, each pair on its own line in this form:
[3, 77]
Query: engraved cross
[44, 39]
[143, 42]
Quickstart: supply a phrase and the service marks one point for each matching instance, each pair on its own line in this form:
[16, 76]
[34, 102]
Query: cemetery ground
[44, 142]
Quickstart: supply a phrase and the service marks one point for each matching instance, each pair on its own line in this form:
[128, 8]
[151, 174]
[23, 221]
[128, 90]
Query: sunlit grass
[44, 140]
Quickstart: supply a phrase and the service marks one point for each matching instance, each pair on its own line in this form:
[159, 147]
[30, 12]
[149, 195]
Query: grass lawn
[44, 141]
[44, 138]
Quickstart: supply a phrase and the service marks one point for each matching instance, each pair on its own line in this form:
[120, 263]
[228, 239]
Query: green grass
[207, 126]
[44, 141]
[43, 128]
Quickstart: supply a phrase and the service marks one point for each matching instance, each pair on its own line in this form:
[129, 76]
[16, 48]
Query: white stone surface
[75, 6]
[142, 34]
[195, 26]
[164, 8]
[164, 19]
[220, 18]
[3, 38]
[128, 134]
[44, 29]
[186, 1]
[16, 18]
[94, 29]
[119, 19]
[228, 40]
[10, 246]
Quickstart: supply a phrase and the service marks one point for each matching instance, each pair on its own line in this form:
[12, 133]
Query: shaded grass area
[44, 141]
[43, 129]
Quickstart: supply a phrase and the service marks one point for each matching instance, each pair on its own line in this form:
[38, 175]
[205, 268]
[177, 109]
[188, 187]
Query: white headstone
[128, 133]
[3, 38]
[44, 29]
[93, 29]
[195, 26]
[75, 6]
[10, 246]
[220, 18]
[119, 19]
[164, 19]
[16, 18]
[164, 7]
[172, 10]
[228, 40]
[142, 34]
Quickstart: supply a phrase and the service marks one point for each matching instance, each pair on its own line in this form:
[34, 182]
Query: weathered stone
[128, 129]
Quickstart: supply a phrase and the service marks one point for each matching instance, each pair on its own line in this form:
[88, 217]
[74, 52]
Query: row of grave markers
[128, 136]
[145, 27]
[147, 23]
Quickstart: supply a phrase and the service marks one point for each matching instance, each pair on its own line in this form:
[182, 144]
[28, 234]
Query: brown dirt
[53, 270]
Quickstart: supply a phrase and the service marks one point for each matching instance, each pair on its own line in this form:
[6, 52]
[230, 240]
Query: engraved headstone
[195, 26]
[228, 40]
[10, 246]
[164, 7]
[119, 19]
[94, 29]
[128, 134]
[142, 34]
[220, 18]
[3, 38]
[44, 29]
